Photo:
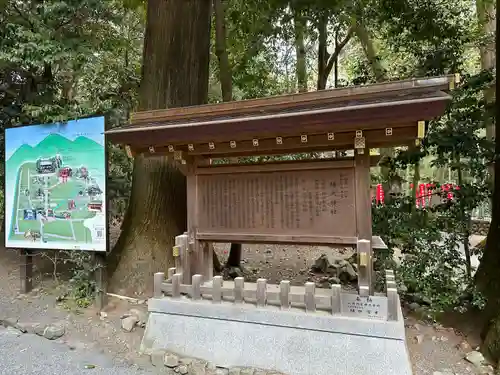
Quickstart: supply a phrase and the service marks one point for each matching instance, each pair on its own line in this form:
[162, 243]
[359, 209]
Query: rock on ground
[129, 323]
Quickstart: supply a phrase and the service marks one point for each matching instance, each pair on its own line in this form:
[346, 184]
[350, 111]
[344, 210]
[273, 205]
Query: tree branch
[340, 47]
[31, 25]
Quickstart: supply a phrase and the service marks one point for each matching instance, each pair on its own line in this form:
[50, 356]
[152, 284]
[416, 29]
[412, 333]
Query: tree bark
[175, 73]
[300, 50]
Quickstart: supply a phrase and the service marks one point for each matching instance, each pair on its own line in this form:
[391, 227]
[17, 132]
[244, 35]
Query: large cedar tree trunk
[175, 73]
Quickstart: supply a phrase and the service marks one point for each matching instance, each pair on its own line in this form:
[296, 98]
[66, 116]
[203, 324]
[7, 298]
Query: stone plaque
[373, 307]
[310, 202]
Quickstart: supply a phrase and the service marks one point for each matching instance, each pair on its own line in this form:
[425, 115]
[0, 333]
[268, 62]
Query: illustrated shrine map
[55, 186]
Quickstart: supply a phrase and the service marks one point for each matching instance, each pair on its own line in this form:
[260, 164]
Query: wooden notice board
[298, 202]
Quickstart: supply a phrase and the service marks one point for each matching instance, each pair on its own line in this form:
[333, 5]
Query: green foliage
[62, 60]
[82, 283]
[432, 266]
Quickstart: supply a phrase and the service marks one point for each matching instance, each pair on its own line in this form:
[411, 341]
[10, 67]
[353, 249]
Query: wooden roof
[233, 127]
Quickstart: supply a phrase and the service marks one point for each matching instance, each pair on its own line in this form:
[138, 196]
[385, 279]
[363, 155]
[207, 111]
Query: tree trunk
[380, 76]
[485, 10]
[486, 18]
[225, 74]
[300, 50]
[465, 218]
[326, 61]
[234, 259]
[322, 50]
[370, 53]
[336, 63]
[175, 73]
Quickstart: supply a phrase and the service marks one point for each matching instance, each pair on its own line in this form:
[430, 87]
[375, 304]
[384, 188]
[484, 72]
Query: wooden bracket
[178, 155]
[421, 129]
[128, 150]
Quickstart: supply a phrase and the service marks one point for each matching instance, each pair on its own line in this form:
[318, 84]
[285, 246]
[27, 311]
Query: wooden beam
[280, 238]
[323, 120]
[292, 100]
[403, 134]
[297, 165]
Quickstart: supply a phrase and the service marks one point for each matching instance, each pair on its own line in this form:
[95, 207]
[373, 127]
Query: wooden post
[159, 277]
[364, 267]
[171, 272]
[101, 279]
[208, 261]
[182, 244]
[364, 218]
[196, 261]
[25, 271]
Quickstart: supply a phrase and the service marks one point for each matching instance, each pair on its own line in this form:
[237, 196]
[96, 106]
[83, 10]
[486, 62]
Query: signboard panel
[374, 307]
[306, 202]
[55, 184]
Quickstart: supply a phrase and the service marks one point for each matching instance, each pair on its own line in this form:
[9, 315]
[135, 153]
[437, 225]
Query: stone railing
[283, 296]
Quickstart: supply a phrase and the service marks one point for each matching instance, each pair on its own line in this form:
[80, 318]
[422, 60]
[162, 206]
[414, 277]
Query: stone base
[291, 342]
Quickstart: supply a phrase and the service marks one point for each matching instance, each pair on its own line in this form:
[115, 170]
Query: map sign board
[55, 185]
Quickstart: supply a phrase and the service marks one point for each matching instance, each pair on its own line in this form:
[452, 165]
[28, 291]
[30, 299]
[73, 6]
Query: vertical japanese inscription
[313, 202]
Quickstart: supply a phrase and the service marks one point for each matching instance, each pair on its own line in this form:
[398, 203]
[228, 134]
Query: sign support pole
[26, 271]
[101, 280]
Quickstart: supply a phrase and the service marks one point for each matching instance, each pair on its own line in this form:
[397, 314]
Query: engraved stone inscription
[374, 307]
[313, 202]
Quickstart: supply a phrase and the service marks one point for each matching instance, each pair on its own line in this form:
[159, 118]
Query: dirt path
[434, 350]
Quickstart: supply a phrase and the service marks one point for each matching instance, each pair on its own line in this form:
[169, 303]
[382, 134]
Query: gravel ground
[280, 262]
[33, 355]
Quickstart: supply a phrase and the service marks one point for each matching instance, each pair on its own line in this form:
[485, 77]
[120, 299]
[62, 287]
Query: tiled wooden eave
[326, 128]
